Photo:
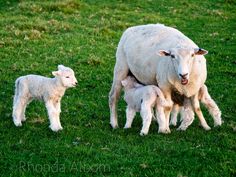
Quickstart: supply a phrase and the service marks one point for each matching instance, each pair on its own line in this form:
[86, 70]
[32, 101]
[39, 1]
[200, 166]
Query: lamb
[159, 55]
[142, 99]
[50, 90]
[207, 101]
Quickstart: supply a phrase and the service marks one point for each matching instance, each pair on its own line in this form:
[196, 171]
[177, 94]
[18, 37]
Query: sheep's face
[66, 76]
[183, 60]
[129, 82]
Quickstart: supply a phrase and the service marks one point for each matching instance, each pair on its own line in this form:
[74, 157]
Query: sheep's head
[129, 82]
[183, 60]
[66, 76]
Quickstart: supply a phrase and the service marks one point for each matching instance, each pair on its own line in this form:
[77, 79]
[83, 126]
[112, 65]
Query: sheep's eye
[172, 56]
[67, 76]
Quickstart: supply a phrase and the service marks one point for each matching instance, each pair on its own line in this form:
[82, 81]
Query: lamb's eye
[67, 76]
[172, 56]
[192, 55]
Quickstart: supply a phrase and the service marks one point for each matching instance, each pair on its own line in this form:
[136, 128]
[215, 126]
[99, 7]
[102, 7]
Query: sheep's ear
[164, 53]
[124, 83]
[199, 51]
[56, 73]
[60, 67]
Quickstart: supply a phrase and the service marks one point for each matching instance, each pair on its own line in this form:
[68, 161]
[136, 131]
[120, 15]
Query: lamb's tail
[17, 83]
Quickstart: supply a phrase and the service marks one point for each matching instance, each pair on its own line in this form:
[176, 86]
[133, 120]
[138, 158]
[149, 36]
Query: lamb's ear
[199, 51]
[56, 73]
[60, 67]
[163, 53]
[124, 83]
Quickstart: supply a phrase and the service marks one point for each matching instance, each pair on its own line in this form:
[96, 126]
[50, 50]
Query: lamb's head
[66, 75]
[129, 83]
[183, 59]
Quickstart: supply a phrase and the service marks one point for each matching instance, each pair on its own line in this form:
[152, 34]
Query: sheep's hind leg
[120, 72]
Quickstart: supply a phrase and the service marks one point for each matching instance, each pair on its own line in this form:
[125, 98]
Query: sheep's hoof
[216, 124]
[23, 119]
[173, 124]
[207, 128]
[164, 131]
[114, 126]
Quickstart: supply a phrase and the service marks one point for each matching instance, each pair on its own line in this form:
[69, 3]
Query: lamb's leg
[24, 105]
[146, 114]
[58, 108]
[196, 106]
[161, 120]
[211, 106]
[187, 115]
[53, 116]
[174, 114]
[17, 110]
[130, 113]
[120, 72]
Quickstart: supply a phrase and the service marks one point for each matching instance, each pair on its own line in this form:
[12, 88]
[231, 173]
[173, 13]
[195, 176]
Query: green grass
[36, 36]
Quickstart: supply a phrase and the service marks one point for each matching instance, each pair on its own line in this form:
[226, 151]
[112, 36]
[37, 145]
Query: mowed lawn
[36, 36]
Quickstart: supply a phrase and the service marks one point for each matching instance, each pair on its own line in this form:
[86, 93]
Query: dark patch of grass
[36, 36]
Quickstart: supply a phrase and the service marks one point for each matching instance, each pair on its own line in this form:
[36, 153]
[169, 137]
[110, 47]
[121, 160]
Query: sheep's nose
[183, 75]
[76, 83]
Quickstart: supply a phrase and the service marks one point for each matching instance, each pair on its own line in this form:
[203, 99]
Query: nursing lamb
[140, 98]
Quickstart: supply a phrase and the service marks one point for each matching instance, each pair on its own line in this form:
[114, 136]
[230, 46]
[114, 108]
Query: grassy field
[36, 36]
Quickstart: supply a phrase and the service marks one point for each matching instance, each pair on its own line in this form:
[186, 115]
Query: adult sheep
[157, 54]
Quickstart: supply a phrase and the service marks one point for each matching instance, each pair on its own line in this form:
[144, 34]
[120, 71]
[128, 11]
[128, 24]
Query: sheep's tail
[161, 97]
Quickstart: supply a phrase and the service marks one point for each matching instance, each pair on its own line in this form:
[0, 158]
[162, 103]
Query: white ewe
[142, 99]
[50, 90]
[156, 54]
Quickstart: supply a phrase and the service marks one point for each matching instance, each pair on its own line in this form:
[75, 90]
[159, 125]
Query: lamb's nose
[183, 75]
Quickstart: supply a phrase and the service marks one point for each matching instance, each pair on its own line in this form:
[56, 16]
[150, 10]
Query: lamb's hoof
[17, 123]
[127, 127]
[164, 131]
[173, 124]
[143, 133]
[23, 119]
[216, 124]
[55, 128]
[182, 128]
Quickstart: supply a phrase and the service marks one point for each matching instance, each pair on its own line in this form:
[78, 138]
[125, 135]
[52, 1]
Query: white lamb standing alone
[50, 90]
[140, 98]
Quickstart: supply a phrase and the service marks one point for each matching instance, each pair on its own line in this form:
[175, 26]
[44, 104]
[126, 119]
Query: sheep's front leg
[130, 113]
[174, 114]
[120, 73]
[167, 109]
[53, 116]
[187, 115]
[196, 106]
